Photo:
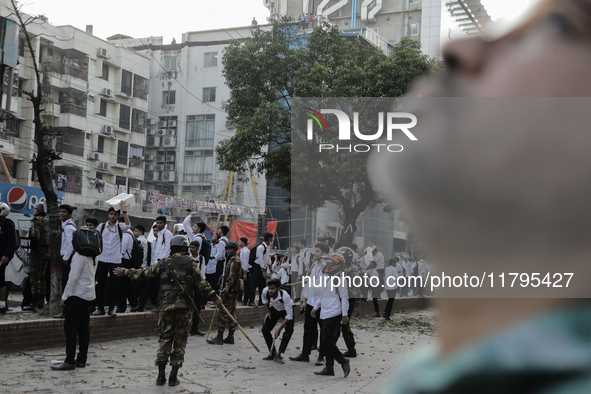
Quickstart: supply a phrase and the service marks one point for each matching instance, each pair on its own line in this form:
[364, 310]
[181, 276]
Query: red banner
[249, 230]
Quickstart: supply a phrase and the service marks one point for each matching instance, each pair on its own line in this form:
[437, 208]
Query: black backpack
[87, 242]
[253, 253]
[205, 250]
[137, 251]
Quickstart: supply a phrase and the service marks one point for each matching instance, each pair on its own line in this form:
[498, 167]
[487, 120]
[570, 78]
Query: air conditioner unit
[161, 131]
[160, 158]
[153, 141]
[148, 157]
[169, 157]
[149, 167]
[103, 165]
[152, 176]
[107, 130]
[169, 142]
[150, 122]
[169, 167]
[93, 156]
[151, 132]
[107, 92]
[229, 124]
[158, 167]
[102, 52]
[171, 132]
[162, 123]
[172, 123]
[168, 176]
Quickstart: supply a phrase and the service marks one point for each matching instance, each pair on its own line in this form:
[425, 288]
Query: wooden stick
[211, 324]
[239, 327]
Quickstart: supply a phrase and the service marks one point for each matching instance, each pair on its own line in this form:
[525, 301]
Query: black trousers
[212, 279]
[328, 335]
[107, 286]
[148, 290]
[126, 289]
[199, 301]
[65, 272]
[246, 287]
[310, 330]
[256, 280]
[76, 326]
[270, 323]
[391, 297]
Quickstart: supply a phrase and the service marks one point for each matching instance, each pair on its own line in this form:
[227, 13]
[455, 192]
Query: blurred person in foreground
[521, 189]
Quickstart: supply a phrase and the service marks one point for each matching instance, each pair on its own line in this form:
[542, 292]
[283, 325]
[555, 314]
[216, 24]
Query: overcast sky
[144, 18]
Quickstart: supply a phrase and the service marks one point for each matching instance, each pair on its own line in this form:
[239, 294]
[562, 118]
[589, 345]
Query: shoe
[387, 318]
[252, 304]
[346, 365]
[212, 306]
[260, 303]
[219, 340]
[197, 332]
[156, 310]
[112, 313]
[301, 357]
[325, 372]
[314, 347]
[269, 358]
[230, 338]
[172, 379]
[161, 379]
[118, 310]
[63, 367]
[377, 314]
[60, 316]
[350, 353]
[319, 361]
[80, 365]
[137, 309]
[99, 312]
[28, 308]
[279, 360]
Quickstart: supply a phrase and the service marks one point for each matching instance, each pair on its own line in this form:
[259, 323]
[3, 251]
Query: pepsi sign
[22, 199]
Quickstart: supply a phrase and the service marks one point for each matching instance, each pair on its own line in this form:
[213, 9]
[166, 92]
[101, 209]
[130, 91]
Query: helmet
[4, 210]
[232, 244]
[179, 240]
[347, 254]
[333, 263]
[40, 207]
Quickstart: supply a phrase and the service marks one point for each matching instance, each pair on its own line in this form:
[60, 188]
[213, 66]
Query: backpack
[87, 242]
[253, 253]
[205, 250]
[137, 251]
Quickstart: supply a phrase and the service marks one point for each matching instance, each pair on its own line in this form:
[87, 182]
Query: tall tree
[42, 162]
[266, 72]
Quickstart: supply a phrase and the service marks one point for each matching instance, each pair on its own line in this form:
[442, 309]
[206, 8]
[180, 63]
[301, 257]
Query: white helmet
[4, 210]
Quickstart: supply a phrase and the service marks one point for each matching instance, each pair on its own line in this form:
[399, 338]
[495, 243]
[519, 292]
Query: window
[105, 74]
[168, 97]
[69, 179]
[126, 78]
[208, 95]
[124, 116]
[99, 175]
[103, 109]
[413, 29]
[198, 166]
[122, 151]
[198, 193]
[101, 144]
[200, 130]
[413, 1]
[210, 59]
[170, 63]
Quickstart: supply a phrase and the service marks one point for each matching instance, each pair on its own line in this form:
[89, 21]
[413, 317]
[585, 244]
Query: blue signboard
[22, 199]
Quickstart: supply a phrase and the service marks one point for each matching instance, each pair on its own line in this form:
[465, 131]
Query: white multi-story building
[187, 89]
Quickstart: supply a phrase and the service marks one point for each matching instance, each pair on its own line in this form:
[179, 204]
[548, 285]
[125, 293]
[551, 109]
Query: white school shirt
[187, 225]
[282, 295]
[391, 275]
[244, 257]
[111, 242]
[211, 266]
[333, 301]
[221, 249]
[295, 264]
[81, 278]
[67, 249]
[263, 259]
[126, 245]
[144, 242]
[379, 259]
[312, 288]
[161, 246]
[305, 260]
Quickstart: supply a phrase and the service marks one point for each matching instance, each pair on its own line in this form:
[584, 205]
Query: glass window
[169, 97]
[208, 95]
[122, 152]
[101, 144]
[414, 29]
[105, 74]
[170, 63]
[198, 166]
[200, 130]
[124, 116]
[210, 59]
[126, 82]
[103, 109]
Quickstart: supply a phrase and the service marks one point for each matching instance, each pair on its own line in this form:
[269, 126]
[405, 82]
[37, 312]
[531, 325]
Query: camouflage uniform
[174, 322]
[39, 254]
[232, 277]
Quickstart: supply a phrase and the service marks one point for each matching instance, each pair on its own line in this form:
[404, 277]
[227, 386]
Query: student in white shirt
[138, 232]
[391, 286]
[259, 270]
[279, 306]
[294, 261]
[211, 267]
[305, 258]
[244, 257]
[127, 289]
[221, 250]
[161, 249]
[112, 234]
[77, 299]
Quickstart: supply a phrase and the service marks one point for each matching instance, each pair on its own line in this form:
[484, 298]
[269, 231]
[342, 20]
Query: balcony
[71, 108]
[65, 69]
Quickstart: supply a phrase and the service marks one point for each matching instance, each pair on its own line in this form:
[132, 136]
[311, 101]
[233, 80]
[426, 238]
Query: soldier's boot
[172, 379]
[230, 338]
[161, 375]
[219, 340]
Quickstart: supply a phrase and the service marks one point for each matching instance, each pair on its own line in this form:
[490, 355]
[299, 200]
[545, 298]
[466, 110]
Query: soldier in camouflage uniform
[229, 294]
[39, 255]
[175, 314]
